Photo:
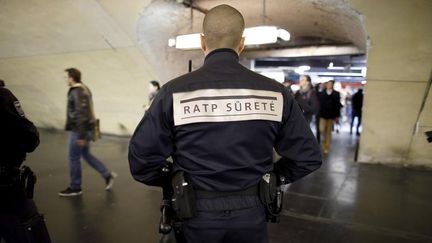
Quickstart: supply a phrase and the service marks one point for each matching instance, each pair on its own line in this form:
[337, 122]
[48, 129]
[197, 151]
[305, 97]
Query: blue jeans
[75, 153]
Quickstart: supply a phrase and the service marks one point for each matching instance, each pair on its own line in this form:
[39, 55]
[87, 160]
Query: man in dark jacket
[80, 122]
[307, 98]
[18, 136]
[287, 83]
[329, 112]
[220, 124]
[357, 105]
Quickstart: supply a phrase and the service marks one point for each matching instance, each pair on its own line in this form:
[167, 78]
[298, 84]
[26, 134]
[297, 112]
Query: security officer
[220, 124]
[19, 219]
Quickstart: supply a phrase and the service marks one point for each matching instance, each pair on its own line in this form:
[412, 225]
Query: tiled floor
[342, 202]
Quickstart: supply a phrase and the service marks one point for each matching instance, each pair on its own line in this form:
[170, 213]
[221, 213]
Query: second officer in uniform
[20, 221]
[220, 124]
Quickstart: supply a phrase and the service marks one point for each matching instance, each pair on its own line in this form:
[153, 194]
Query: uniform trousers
[235, 219]
[15, 219]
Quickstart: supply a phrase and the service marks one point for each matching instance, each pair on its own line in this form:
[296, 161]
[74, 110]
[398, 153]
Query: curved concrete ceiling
[329, 19]
[334, 20]
[47, 27]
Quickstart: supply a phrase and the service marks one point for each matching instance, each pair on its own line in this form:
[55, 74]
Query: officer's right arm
[296, 144]
[152, 143]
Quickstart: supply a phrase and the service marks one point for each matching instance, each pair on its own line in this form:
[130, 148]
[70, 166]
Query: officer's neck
[209, 51]
[221, 54]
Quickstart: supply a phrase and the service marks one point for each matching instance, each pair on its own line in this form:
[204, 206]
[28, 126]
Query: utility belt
[17, 181]
[186, 200]
[252, 191]
[8, 170]
[181, 201]
[16, 188]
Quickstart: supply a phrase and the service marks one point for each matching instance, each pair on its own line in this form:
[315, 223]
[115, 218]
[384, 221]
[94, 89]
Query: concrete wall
[399, 67]
[40, 38]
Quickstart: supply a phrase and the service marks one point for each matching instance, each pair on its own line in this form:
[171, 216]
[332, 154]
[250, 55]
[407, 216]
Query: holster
[271, 195]
[28, 181]
[184, 199]
[170, 224]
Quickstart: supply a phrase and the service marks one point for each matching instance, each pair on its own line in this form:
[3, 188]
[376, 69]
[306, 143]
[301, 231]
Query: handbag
[96, 134]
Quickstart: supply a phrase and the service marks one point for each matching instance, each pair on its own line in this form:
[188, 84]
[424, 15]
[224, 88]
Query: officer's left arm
[152, 142]
[296, 144]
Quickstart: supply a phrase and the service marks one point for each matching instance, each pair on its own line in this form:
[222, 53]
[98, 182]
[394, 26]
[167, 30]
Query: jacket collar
[221, 55]
[76, 85]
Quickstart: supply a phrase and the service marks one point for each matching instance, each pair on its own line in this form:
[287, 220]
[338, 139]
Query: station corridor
[221, 83]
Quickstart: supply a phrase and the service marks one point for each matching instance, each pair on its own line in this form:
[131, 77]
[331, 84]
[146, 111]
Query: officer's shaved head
[223, 27]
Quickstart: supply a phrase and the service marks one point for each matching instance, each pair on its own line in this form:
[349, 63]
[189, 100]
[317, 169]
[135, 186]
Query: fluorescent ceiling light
[364, 71]
[172, 42]
[265, 35]
[284, 34]
[302, 69]
[343, 68]
[253, 36]
[332, 67]
[191, 41]
[305, 68]
[260, 35]
[339, 74]
[278, 76]
[336, 68]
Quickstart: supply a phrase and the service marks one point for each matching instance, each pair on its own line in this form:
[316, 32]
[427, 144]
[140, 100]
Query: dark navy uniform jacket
[220, 124]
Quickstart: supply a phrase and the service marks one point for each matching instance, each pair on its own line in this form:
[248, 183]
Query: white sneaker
[110, 180]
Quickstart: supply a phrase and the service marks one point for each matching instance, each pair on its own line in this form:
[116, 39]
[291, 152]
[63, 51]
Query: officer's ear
[203, 43]
[242, 45]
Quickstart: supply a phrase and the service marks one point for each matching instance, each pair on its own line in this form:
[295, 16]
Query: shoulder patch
[227, 105]
[18, 108]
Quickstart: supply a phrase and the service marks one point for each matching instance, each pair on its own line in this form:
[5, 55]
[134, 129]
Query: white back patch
[226, 105]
